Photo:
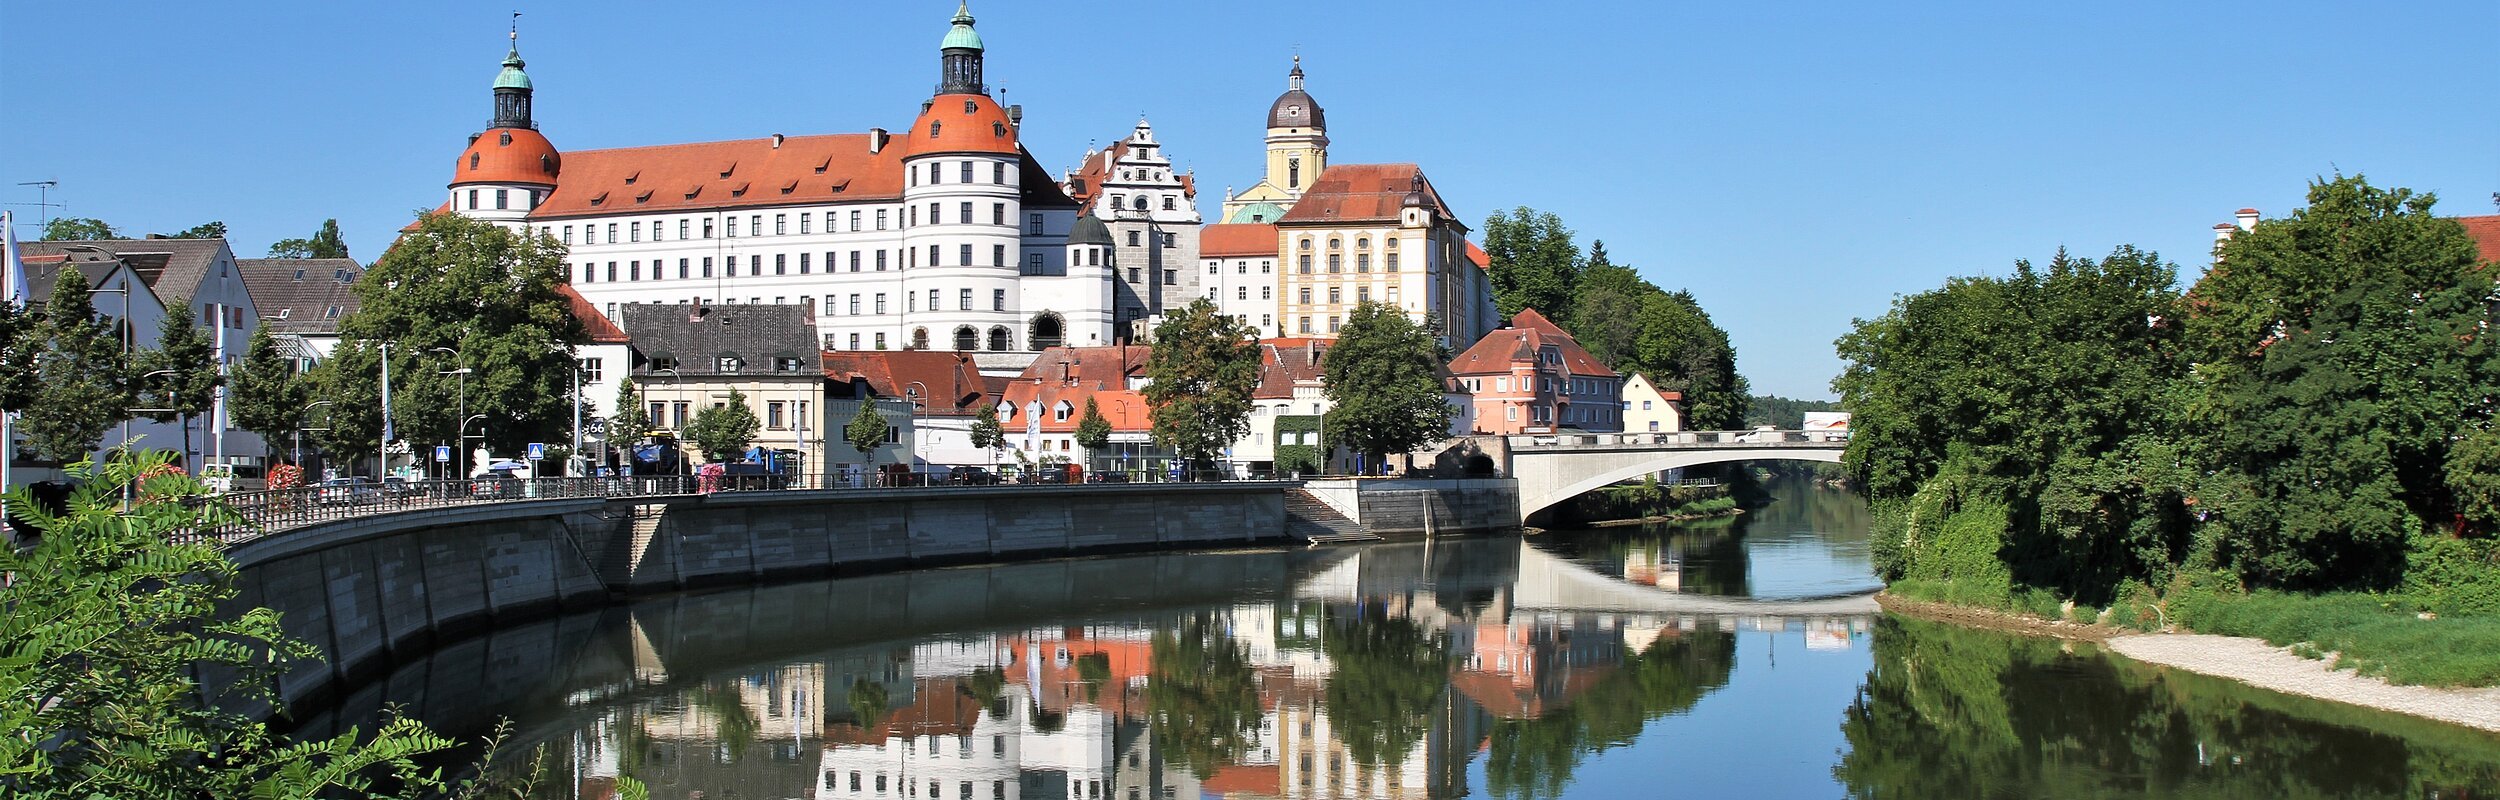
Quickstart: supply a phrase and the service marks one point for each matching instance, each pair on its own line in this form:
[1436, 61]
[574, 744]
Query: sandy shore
[2265, 666]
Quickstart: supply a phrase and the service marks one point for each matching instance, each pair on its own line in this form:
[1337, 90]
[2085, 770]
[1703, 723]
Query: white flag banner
[16, 266]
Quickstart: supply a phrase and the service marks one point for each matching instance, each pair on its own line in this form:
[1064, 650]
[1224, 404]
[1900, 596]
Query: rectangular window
[1266, 320]
[1336, 263]
[881, 340]
[1265, 291]
[1335, 295]
[855, 312]
[829, 222]
[880, 310]
[755, 225]
[1393, 294]
[707, 266]
[1390, 261]
[1362, 262]
[1241, 293]
[568, 234]
[1033, 263]
[998, 299]
[611, 272]
[781, 224]
[1171, 277]
[880, 261]
[781, 264]
[854, 222]
[774, 413]
[933, 255]
[998, 213]
[1306, 265]
[592, 369]
[963, 255]
[854, 341]
[707, 227]
[998, 255]
[633, 231]
[681, 230]
[964, 213]
[659, 416]
[803, 218]
[911, 302]
[1306, 324]
[963, 299]
[967, 172]
[854, 260]
[502, 199]
[633, 270]
[1332, 324]
[472, 199]
[729, 228]
[881, 219]
[1302, 295]
[611, 233]
[1033, 224]
[1266, 267]
[933, 299]
[803, 267]
[590, 272]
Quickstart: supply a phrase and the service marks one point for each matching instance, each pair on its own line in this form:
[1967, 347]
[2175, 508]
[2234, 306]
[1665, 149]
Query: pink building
[1531, 377]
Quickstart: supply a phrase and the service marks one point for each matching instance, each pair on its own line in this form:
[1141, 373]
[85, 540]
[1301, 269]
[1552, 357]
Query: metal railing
[1752, 438]
[270, 511]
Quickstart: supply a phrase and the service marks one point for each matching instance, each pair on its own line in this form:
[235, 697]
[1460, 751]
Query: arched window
[1000, 339]
[966, 338]
[1364, 243]
[1045, 332]
[1306, 244]
[1141, 202]
[919, 338]
[1336, 243]
[933, 129]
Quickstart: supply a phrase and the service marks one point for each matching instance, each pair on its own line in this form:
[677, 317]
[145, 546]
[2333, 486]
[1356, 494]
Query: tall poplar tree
[187, 385]
[268, 396]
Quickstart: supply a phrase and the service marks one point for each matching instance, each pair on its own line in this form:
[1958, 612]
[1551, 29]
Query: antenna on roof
[516, 30]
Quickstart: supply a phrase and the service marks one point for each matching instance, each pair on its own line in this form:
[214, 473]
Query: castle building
[1297, 152]
[947, 235]
[1151, 213]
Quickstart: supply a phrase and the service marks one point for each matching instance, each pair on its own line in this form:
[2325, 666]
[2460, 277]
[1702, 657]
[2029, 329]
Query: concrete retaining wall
[373, 591]
[1400, 507]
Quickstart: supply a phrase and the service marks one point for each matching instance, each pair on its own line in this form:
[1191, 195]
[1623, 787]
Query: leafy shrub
[2453, 576]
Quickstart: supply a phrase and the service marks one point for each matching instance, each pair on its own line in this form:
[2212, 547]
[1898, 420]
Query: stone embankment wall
[1399, 507]
[373, 590]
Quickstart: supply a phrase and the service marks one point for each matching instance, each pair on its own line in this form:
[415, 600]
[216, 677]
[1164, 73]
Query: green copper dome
[512, 77]
[1258, 212]
[962, 35]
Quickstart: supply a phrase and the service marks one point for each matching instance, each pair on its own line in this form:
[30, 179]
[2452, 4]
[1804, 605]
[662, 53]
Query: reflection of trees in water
[1951, 711]
[1534, 758]
[1799, 505]
[1201, 695]
[988, 685]
[867, 701]
[1388, 673]
[736, 724]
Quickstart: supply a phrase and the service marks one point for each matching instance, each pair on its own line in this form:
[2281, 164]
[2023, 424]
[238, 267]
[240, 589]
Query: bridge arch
[1550, 476]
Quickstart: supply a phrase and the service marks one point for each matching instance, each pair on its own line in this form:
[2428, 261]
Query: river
[1561, 665]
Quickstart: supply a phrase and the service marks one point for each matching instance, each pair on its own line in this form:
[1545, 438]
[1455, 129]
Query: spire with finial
[959, 67]
[512, 85]
[1294, 81]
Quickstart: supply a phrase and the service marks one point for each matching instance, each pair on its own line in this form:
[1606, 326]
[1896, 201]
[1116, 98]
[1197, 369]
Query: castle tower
[1297, 151]
[507, 169]
[961, 208]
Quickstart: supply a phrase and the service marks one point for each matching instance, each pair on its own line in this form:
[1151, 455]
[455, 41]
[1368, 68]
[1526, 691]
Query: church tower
[1297, 151]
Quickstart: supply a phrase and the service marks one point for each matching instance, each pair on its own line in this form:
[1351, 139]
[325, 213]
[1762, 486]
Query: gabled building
[689, 358]
[1647, 409]
[1239, 262]
[1532, 377]
[932, 397]
[1379, 233]
[1150, 212]
[203, 274]
[301, 300]
[1040, 409]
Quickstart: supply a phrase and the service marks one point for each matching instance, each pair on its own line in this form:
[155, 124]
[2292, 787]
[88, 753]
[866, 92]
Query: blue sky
[1795, 165]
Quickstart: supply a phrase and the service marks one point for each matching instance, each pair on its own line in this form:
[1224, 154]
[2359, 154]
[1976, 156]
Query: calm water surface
[1561, 665]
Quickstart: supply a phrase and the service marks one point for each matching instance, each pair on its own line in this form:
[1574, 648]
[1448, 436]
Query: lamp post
[125, 325]
[919, 406]
[464, 430]
[677, 386]
[299, 429]
[463, 403]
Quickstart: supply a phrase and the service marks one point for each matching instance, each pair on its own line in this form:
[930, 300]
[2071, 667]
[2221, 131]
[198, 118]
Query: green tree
[111, 621]
[1534, 263]
[325, 243]
[866, 430]
[630, 420]
[987, 434]
[206, 230]
[1093, 432]
[1383, 382]
[724, 431]
[268, 396]
[1784, 413]
[1682, 350]
[188, 384]
[1200, 376]
[471, 287]
[1202, 696]
[1609, 297]
[68, 229]
[83, 372]
[2474, 475]
[2341, 353]
[22, 345]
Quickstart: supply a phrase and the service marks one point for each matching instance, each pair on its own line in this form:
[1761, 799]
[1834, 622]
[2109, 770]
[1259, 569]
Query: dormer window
[331, 313]
[299, 276]
[971, 107]
[663, 364]
[631, 177]
[933, 129]
[787, 364]
[728, 364]
[284, 313]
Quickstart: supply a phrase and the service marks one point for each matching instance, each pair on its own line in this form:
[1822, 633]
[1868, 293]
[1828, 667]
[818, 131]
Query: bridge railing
[1693, 439]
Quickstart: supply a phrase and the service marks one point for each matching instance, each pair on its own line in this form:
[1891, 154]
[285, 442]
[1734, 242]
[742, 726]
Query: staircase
[624, 552]
[1313, 520]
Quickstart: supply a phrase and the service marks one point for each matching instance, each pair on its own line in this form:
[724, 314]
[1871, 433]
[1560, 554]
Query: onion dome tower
[508, 169]
[1297, 137]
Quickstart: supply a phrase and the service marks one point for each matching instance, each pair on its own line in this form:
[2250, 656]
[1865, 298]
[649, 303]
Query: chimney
[777, 141]
[876, 140]
[1015, 115]
[2248, 219]
[2223, 231]
[1067, 372]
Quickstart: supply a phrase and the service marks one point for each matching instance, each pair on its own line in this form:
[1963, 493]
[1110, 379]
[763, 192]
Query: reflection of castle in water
[1369, 673]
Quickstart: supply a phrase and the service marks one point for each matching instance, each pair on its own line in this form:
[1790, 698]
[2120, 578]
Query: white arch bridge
[1552, 468]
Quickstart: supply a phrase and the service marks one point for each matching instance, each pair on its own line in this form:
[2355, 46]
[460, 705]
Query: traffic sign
[442, 454]
[538, 451]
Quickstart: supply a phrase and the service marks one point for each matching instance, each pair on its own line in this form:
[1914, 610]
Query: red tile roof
[2486, 233]
[743, 172]
[1476, 255]
[1086, 183]
[600, 328]
[1241, 239]
[1074, 374]
[952, 383]
[961, 123]
[1361, 193]
[1287, 363]
[1528, 332]
[508, 155]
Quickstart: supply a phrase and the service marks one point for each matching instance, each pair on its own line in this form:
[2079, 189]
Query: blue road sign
[538, 451]
[442, 453]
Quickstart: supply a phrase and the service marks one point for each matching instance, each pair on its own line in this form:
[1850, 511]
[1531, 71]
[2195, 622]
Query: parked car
[399, 488]
[1106, 477]
[494, 483]
[971, 476]
[351, 491]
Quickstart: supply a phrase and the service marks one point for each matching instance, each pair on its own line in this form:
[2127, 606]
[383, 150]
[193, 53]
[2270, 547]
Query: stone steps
[1313, 520]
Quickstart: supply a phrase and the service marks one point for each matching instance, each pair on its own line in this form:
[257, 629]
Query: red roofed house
[1379, 233]
[2486, 233]
[946, 234]
[1040, 409]
[1532, 377]
[1648, 409]
[933, 395]
[1151, 213]
[1239, 265]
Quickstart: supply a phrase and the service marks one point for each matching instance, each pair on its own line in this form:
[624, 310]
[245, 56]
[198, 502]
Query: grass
[2368, 633]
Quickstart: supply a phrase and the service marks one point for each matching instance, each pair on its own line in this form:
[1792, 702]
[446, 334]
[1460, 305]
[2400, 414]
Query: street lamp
[919, 405]
[464, 431]
[463, 372]
[300, 429]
